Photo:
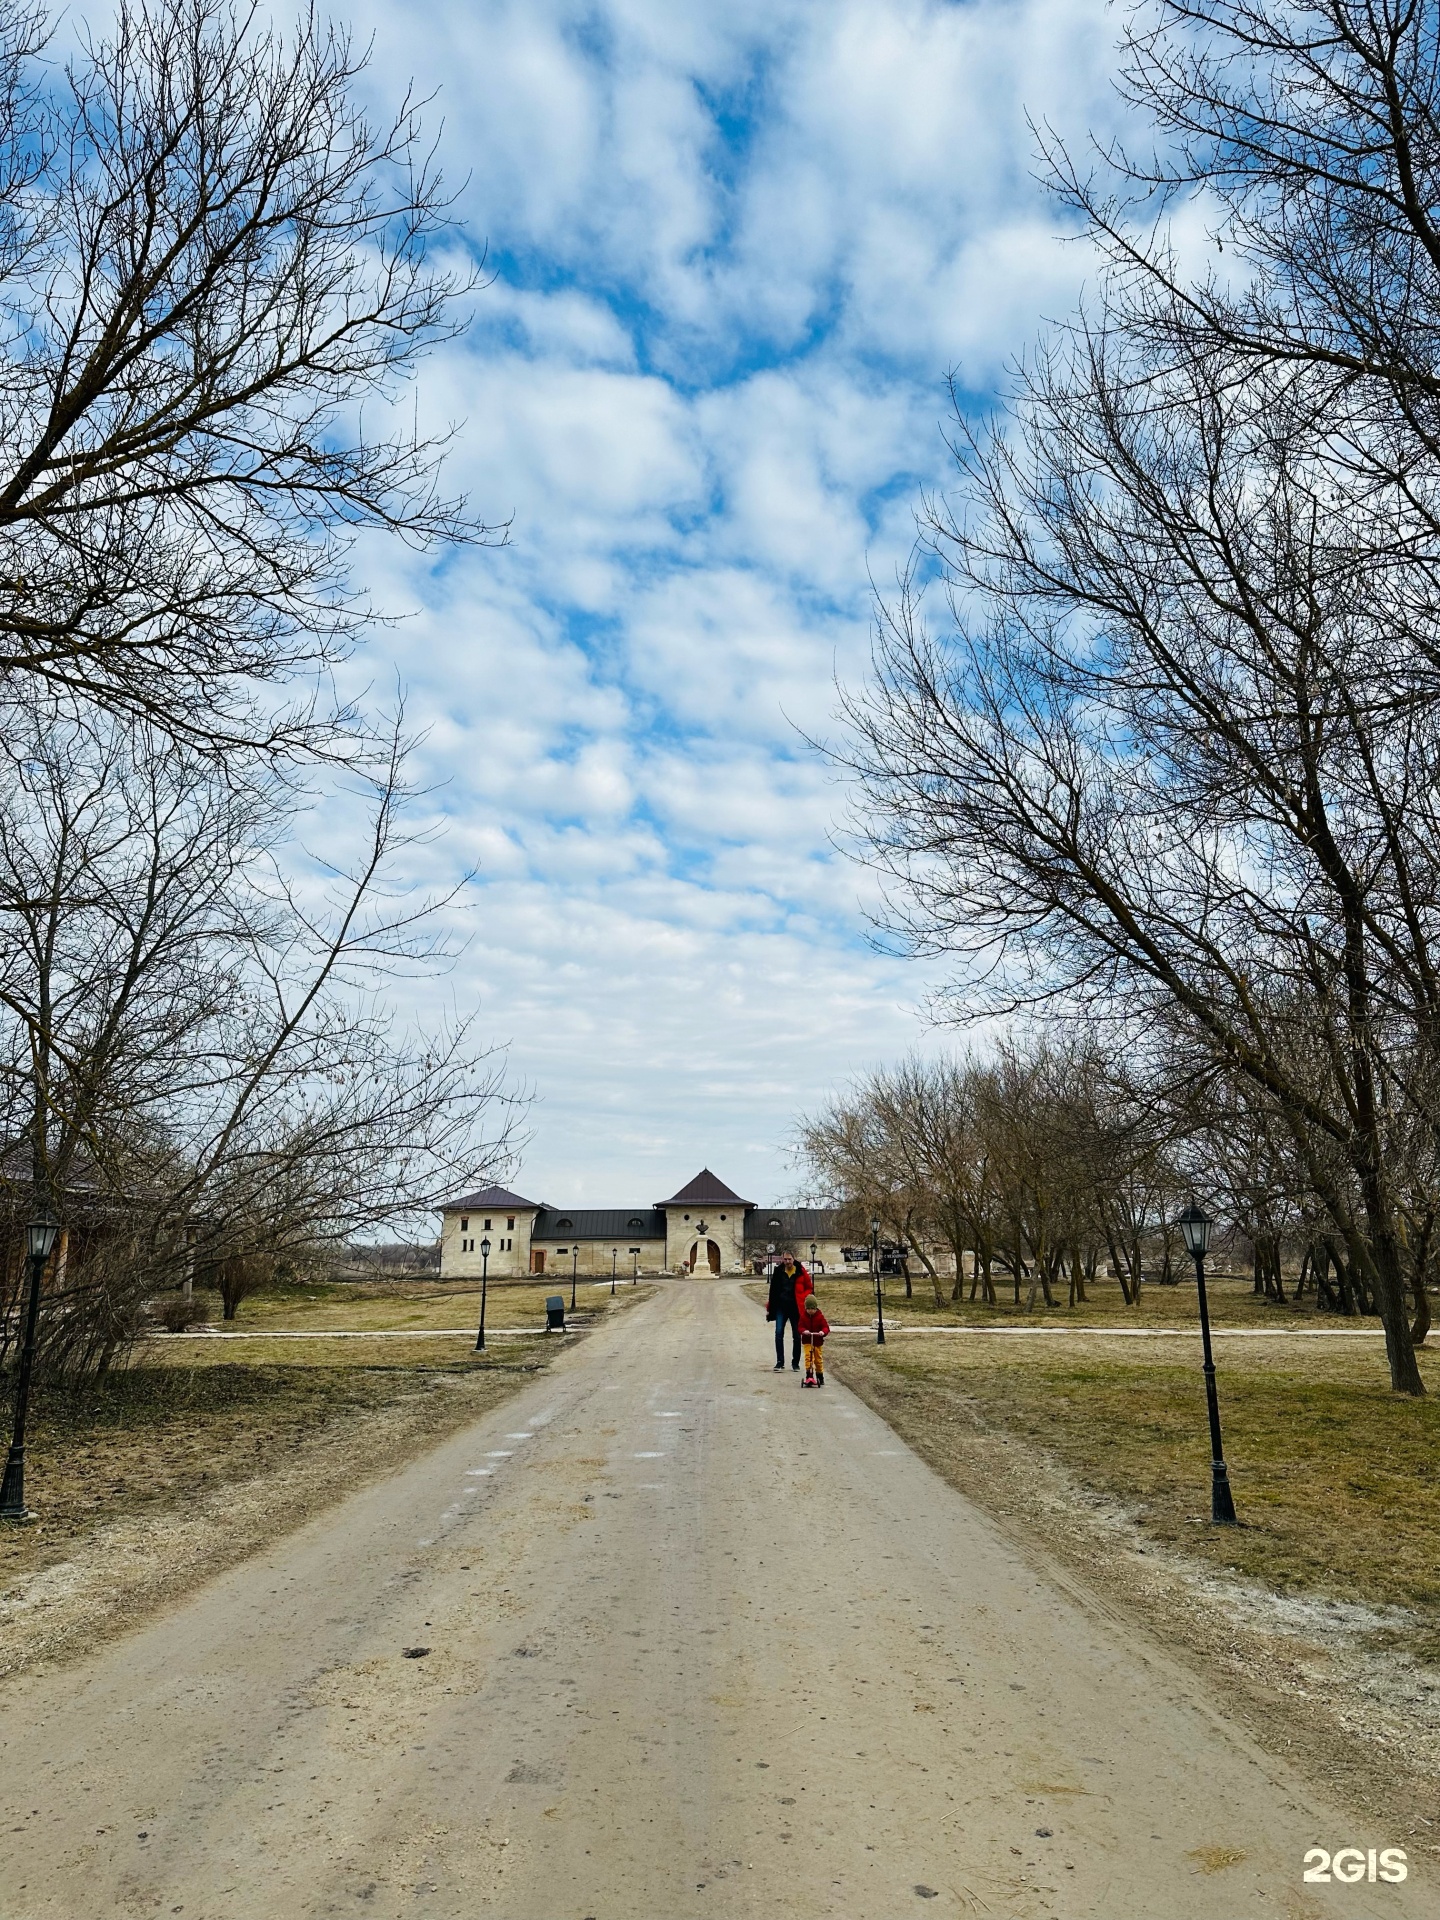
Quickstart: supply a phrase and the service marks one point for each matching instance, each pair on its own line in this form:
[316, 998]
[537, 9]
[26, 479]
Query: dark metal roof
[791, 1223]
[705, 1191]
[619, 1226]
[498, 1199]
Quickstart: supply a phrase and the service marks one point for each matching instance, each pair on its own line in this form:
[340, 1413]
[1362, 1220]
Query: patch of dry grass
[850, 1298]
[404, 1305]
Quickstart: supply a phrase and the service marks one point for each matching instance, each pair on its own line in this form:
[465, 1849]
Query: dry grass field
[410, 1305]
[850, 1298]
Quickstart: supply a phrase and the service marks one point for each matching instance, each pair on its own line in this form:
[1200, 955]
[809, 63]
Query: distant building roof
[791, 1223]
[619, 1226]
[498, 1199]
[705, 1191]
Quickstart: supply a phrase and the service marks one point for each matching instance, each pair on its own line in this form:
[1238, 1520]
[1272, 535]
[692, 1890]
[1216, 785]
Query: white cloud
[737, 246]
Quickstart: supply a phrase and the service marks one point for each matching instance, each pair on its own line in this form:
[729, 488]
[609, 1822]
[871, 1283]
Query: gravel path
[695, 1642]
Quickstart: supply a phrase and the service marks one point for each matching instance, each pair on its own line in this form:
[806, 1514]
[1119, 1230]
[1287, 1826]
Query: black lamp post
[879, 1295]
[812, 1258]
[484, 1288]
[635, 1272]
[1194, 1225]
[614, 1256]
[574, 1269]
[40, 1238]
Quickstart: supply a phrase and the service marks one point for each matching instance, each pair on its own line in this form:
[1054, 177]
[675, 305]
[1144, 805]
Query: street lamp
[635, 1273]
[812, 1257]
[875, 1271]
[574, 1269]
[40, 1238]
[484, 1288]
[614, 1256]
[1194, 1225]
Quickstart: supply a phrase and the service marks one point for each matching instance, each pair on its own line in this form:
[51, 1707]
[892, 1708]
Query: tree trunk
[1077, 1277]
[1120, 1266]
[1420, 1325]
[1017, 1262]
[1388, 1289]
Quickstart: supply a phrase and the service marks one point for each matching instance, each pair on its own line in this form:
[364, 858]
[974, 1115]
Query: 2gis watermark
[1352, 1865]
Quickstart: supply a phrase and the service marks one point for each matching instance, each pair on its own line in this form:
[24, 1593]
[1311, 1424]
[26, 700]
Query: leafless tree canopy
[1171, 758]
[214, 275]
[200, 1065]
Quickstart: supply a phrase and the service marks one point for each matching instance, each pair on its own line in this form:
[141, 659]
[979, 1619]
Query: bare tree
[216, 273]
[1307, 134]
[1172, 758]
[199, 1058]
[863, 1155]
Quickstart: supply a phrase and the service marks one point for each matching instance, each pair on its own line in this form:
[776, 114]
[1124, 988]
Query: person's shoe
[779, 1366]
[808, 1381]
[819, 1379]
[794, 1366]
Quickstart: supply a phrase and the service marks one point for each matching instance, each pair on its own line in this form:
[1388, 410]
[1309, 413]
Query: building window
[722, 1216]
[510, 1224]
[464, 1223]
[487, 1226]
[560, 1252]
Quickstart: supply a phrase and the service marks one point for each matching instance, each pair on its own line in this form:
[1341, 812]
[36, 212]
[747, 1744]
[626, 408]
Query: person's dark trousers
[791, 1320]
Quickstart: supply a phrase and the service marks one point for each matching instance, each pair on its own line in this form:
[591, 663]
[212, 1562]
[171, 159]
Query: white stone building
[704, 1228]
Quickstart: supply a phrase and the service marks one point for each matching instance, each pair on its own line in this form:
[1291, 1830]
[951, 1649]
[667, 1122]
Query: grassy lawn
[408, 1305]
[1336, 1479]
[850, 1299]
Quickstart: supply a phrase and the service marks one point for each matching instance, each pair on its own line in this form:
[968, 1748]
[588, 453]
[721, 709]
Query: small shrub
[178, 1312]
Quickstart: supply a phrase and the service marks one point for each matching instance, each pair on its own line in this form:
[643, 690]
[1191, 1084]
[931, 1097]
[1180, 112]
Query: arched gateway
[704, 1253]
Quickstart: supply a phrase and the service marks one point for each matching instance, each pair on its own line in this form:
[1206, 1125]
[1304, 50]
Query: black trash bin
[555, 1313]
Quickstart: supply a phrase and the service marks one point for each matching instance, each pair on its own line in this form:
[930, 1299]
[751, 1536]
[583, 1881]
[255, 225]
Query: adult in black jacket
[783, 1306]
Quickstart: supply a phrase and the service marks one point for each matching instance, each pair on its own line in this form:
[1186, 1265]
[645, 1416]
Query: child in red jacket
[813, 1329]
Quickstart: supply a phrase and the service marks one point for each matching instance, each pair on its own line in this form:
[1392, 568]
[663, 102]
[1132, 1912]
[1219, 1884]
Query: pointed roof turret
[498, 1199]
[705, 1191]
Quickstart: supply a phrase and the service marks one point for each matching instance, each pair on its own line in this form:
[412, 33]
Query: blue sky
[737, 248]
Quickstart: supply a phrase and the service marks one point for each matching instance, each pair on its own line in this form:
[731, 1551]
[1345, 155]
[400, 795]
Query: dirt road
[698, 1643]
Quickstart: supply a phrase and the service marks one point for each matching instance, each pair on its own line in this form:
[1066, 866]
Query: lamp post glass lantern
[484, 1289]
[1194, 1224]
[40, 1237]
[879, 1292]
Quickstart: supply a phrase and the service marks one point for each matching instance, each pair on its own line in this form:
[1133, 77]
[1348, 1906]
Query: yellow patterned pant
[814, 1345]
